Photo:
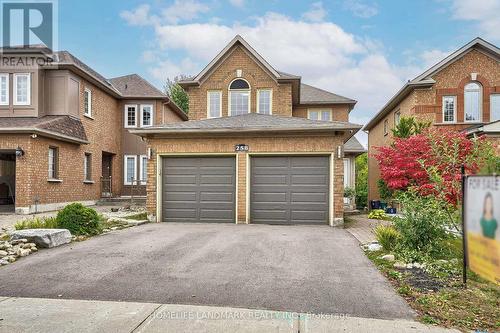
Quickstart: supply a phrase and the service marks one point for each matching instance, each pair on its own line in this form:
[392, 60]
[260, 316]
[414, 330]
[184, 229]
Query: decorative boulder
[45, 238]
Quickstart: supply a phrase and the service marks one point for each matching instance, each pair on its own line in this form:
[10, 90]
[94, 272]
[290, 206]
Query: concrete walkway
[362, 228]
[57, 315]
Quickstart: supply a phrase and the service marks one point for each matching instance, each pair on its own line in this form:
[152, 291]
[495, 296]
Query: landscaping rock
[399, 265]
[45, 238]
[5, 245]
[23, 252]
[3, 253]
[4, 262]
[388, 257]
[18, 240]
[374, 247]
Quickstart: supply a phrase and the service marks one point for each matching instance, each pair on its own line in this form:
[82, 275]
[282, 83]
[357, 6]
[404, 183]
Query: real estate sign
[482, 225]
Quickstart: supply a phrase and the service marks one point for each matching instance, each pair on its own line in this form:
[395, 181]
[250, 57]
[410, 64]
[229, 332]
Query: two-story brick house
[260, 147]
[461, 92]
[64, 130]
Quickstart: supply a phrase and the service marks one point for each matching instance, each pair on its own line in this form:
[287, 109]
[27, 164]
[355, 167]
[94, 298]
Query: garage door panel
[289, 189]
[198, 189]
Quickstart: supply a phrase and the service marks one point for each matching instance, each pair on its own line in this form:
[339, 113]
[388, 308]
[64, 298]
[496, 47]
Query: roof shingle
[313, 95]
[135, 86]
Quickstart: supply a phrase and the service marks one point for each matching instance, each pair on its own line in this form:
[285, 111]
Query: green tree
[362, 180]
[176, 93]
[409, 126]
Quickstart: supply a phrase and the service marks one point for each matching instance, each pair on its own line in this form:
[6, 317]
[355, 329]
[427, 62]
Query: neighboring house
[462, 91]
[260, 147]
[68, 126]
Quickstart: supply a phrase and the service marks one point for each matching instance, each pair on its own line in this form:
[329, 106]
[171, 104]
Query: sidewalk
[362, 228]
[57, 315]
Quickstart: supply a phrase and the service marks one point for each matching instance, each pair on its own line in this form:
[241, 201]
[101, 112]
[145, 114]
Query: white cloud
[237, 3]
[138, 16]
[360, 9]
[432, 57]
[184, 10]
[484, 12]
[316, 13]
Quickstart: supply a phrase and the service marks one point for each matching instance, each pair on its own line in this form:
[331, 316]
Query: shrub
[349, 192]
[377, 214]
[37, 223]
[362, 181]
[424, 226]
[387, 236]
[79, 220]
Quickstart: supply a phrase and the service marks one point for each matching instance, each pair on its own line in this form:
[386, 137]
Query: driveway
[314, 269]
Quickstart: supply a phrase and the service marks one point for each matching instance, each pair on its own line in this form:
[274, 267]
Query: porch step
[118, 201]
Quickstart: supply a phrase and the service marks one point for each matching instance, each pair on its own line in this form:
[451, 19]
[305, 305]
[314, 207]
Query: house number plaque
[241, 147]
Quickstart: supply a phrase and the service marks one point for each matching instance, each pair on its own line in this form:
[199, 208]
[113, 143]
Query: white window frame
[28, 88]
[7, 96]
[208, 103]
[141, 169]
[480, 104]
[491, 106]
[142, 115]
[87, 164]
[89, 113]
[125, 112]
[454, 109]
[397, 117]
[125, 158]
[309, 111]
[270, 100]
[386, 126]
[230, 113]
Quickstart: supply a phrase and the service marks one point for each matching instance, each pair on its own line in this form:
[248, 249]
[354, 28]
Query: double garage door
[283, 189]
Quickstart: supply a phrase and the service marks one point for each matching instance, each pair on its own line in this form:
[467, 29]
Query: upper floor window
[386, 126]
[214, 103]
[494, 107]
[449, 109]
[397, 117]
[239, 97]
[264, 101]
[22, 89]
[472, 102]
[87, 102]
[325, 115]
[130, 116]
[4, 89]
[146, 115]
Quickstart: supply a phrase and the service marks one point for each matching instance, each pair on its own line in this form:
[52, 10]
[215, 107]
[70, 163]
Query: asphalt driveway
[314, 269]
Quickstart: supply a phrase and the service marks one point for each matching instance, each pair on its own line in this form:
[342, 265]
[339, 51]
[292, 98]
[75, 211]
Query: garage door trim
[159, 182]
[330, 155]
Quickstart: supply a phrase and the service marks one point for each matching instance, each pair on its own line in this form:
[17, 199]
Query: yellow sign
[482, 227]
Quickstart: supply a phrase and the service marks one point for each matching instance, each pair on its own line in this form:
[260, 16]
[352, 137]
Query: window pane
[325, 115]
[22, 88]
[4, 98]
[239, 102]
[472, 102]
[448, 109]
[131, 116]
[313, 115]
[495, 107]
[87, 166]
[52, 163]
[144, 170]
[265, 101]
[86, 102]
[146, 115]
[214, 104]
[130, 169]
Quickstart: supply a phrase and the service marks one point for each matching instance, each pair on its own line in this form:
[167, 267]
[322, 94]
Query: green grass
[476, 307]
[37, 223]
[139, 217]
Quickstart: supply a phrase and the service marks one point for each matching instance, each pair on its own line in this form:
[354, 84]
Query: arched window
[473, 102]
[239, 97]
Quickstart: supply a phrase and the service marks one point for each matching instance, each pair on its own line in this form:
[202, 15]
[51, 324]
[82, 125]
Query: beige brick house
[259, 147]
[461, 92]
[64, 130]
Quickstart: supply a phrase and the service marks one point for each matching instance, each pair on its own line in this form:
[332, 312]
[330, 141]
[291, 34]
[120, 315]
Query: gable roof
[313, 95]
[425, 79]
[353, 146]
[251, 122]
[133, 86]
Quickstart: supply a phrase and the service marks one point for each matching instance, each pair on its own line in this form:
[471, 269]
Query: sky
[361, 49]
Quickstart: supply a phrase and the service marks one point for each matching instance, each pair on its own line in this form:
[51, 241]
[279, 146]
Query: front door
[106, 175]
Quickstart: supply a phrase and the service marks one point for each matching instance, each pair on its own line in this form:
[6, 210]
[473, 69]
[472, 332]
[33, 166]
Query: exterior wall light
[19, 152]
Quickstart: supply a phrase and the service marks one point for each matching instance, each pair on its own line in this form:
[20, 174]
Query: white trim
[28, 88]
[125, 112]
[480, 102]
[89, 92]
[319, 110]
[141, 113]
[125, 157]
[208, 103]
[270, 99]
[7, 96]
[141, 158]
[249, 90]
[454, 108]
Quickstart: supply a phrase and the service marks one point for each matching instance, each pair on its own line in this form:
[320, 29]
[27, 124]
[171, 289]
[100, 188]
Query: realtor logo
[28, 23]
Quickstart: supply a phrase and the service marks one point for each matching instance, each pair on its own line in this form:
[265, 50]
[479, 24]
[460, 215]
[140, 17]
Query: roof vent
[126, 86]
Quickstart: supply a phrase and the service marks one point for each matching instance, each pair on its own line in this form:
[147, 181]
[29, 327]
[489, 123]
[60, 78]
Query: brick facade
[426, 104]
